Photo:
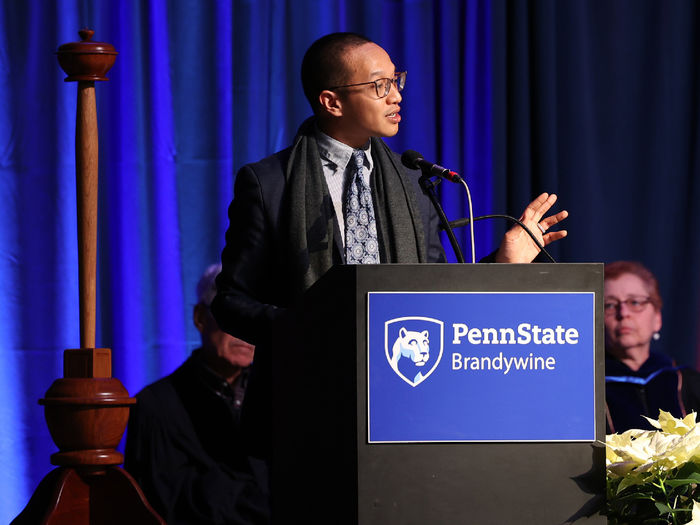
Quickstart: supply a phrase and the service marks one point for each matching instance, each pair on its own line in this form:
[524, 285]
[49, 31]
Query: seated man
[183, 440]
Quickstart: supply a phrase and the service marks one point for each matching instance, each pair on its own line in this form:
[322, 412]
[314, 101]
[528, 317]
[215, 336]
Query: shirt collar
[214, 381]
[338, 153]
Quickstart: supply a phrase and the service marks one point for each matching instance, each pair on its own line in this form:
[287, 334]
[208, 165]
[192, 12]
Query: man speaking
[338, 195]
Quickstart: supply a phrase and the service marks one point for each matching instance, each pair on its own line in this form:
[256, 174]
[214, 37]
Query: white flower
[637, 451]
[651, 461]
[695, 519]
[672, 425]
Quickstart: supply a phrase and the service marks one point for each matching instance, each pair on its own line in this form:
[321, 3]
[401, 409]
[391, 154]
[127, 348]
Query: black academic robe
[657, 385]
[184, 448]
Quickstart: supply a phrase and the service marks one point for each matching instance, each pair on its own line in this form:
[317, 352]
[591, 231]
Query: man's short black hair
[324, 63]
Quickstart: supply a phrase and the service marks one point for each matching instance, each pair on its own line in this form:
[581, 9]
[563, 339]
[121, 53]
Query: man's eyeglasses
[635, 304]
[382, 85]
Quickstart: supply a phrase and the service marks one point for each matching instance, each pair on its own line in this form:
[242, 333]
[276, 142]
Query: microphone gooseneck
[414, 160]
[463, 222]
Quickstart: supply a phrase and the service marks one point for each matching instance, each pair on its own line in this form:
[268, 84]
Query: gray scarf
[308, 226]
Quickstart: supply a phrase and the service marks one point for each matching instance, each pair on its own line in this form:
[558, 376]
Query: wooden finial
[86, 60]
[86, 34]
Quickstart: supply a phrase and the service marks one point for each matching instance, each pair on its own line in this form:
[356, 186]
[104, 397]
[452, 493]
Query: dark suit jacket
[250, 292]
[253, 300]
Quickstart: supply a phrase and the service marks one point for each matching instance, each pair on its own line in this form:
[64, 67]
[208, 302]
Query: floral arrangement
[653, 476]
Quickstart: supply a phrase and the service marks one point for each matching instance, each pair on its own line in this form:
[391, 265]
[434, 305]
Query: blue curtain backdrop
[198, 89]
[594, 100]
[598, 101]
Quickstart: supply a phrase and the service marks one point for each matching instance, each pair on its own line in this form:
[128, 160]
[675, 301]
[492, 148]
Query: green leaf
[679, 482]
[687, 469]
[627, 482]
[663, 508]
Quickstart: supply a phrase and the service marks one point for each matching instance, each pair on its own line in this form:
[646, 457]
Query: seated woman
[638, 381]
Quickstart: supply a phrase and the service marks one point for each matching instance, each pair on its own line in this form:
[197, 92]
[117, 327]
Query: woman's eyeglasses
[635, 304]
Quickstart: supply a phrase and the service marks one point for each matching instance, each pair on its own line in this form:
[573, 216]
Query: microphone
[414, 160]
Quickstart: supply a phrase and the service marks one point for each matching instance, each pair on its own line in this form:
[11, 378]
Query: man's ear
[330, 103]
[200, 311]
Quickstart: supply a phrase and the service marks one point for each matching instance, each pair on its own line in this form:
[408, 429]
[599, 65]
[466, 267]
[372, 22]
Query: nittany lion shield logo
[413, 347]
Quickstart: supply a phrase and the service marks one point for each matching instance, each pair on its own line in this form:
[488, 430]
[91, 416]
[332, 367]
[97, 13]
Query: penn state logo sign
[413, 347]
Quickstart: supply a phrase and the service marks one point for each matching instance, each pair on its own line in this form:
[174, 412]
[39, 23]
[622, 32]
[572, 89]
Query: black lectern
[326, 469]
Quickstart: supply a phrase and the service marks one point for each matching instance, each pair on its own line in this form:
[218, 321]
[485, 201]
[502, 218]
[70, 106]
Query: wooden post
[86, 154]
[87, 410]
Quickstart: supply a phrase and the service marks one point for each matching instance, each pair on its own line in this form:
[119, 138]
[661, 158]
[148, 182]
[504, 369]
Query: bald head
[325, 64]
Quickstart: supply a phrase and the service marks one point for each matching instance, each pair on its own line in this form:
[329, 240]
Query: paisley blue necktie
[361, 245]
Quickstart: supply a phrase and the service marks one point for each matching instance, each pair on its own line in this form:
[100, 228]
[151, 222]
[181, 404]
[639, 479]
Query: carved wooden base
[86, 418]
[70, 496]
[86, 412]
